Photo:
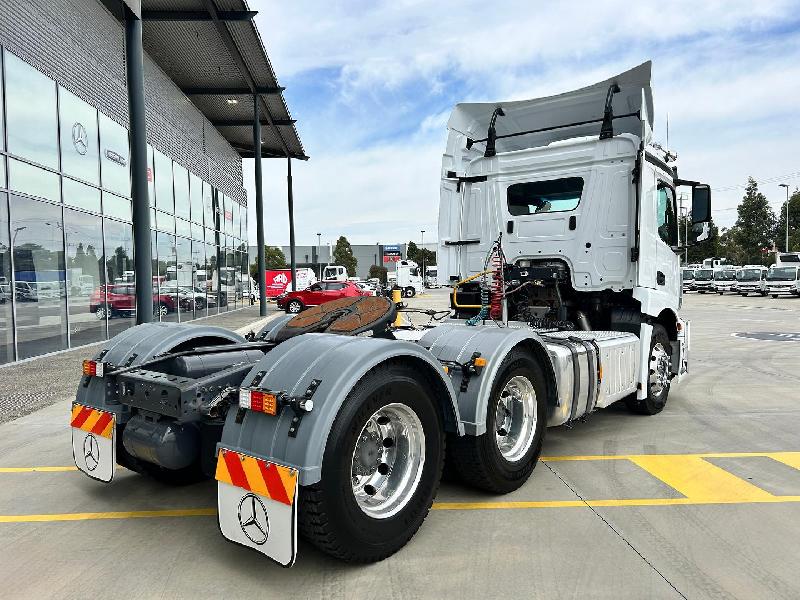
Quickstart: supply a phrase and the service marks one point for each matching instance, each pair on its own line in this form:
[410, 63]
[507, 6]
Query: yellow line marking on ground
[788, 458]
[698, 479]
[789, 455]
[91, 516]
[36, 469]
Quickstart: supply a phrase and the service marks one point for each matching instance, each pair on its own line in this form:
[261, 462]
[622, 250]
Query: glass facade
[66, 238]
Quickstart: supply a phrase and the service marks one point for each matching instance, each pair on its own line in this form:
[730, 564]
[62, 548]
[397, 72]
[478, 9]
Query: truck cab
[725, 279]
[783, 279]
[334, 273]
[687, 274]
[751, 279]
[704, 280]
[408, 278]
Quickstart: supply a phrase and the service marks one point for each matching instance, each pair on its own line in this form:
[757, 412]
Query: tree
[755, 227]
[343, 255]
[274, 258]
[379, 272]
[794, 223]
[412, 251]
[708, 248]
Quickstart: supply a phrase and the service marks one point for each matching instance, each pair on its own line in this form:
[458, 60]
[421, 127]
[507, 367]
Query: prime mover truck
[558, 232]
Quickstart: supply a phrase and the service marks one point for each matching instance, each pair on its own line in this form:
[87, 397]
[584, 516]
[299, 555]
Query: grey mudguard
[456, 341]
[138, 344]
[270, 330]
[338, 362]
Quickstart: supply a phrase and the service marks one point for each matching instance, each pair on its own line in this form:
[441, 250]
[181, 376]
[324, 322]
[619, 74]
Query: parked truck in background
[431, 277]
[704, 280]
[558, 230]
[408, 278]
[687, 277]
[724, 279]
[783, 279]
[751, 279]
[334, 273]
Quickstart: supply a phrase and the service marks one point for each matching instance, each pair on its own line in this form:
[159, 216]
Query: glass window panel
[212, 282]
[114, 206]
[183, 228]
[208, 205]
[31, 113]
[39, 278]
[121, 291]
[80, 154]
[228, 215]
[114, 156]
[152, 218]
[198, 232]
[181, 186]
[2, 163]
[151, 180]
[196, 198]
[244, 223]
[33, 180]
[203, 298]
[6, 328]
[166, 303]
[87, 299]
[182, 279]
[80, 195]
[165, 222]
[164, 198]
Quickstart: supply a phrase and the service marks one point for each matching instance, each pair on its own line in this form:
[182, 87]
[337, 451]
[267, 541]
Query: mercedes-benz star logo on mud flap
[253, 519]
[91, 452]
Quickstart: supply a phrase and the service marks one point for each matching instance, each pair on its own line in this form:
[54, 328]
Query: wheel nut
[388, 442]
[370, 490]
[383, 468]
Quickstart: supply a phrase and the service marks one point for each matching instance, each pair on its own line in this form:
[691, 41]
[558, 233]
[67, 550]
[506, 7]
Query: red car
[120, 299]
[318, 293]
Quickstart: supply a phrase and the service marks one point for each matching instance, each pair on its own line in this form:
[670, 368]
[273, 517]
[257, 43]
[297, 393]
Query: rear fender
[139, 344]
[338, 363]
[455, 341]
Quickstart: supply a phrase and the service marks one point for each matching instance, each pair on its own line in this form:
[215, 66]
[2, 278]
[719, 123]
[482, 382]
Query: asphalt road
[701, 501]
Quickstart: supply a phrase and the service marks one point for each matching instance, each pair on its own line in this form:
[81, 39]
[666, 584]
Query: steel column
[262, 278]
[290, 201]
[138, 137]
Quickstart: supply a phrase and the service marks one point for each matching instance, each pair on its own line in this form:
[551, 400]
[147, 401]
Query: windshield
[725, 275]
[703, 274]
[782, 274]
[688, 275]
[748, 275]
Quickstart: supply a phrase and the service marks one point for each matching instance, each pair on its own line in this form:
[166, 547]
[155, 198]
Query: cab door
[658, 231]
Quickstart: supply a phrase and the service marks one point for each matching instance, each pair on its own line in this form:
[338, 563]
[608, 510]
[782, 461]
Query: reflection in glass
[163, 174]
[183, 228]
[81, 195]
[208, 205]
[33, 180]
[196, 198]
[87, 300]
[151, 180]
[39, 277]
[80, 156]
[119, 275]
[199, 281]
[31, 113]
[181, 186]
[182, 279]
[114, 206]
[6, 329]
[114, 156]
[166, 304]
[212, 278]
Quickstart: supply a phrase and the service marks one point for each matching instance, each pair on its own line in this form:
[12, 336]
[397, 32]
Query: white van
[334, 273]
[725, 279]
[704, 280]
[751, 278]
[783, 280]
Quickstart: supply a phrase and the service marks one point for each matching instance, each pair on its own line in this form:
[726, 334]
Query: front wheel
[102, 311]
[380, 470]
[660, 373]
[160, 310]
[503, 458]
[294, 307]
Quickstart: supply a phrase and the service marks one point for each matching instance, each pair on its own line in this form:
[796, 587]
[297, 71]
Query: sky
[372, 84]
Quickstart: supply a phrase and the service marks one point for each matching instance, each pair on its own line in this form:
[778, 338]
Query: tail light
[92, 368]
[258, 401]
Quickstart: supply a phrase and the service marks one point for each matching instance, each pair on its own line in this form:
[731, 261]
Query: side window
[665, 215]
[533, 197]
[335, 286]
[317, 287]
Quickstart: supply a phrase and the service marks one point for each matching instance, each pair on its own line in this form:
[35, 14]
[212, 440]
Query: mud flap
[257, 505]
[94, 447]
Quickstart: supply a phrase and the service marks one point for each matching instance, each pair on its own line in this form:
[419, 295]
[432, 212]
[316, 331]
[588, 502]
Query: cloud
[372, 85]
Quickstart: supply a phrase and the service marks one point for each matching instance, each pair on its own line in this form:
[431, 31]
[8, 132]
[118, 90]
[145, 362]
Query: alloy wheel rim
[659, 369]
[387, 461]
[515, 418]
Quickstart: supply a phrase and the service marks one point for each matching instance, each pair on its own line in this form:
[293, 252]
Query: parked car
[120, 299]
[189, 297]
[319, 293]
[366, 288]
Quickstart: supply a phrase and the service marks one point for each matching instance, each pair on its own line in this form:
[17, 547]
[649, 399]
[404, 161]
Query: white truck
[334, 423]
[704, 280]
[687, 276]
[724, 279]
[432, 277]
[334, 273]
[408, 278]
[751, 279]
[783, 279]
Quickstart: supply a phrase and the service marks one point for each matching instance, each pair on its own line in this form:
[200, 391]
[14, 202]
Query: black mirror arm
[607, 128]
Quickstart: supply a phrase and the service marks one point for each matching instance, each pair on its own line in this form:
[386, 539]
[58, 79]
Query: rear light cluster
[92, 368]
[258, 401]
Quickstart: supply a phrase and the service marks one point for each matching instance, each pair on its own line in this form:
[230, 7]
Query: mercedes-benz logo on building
[79, 138]
[253, 519]
[91, 452]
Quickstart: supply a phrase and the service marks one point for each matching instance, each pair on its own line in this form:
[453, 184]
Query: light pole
[786, 185]
[319, 260]
[422, 248]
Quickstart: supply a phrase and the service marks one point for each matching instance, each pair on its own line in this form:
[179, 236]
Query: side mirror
[700, 231]
[701, 203]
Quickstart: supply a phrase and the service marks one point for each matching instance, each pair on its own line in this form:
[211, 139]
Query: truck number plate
[94, 447]
[257, 504]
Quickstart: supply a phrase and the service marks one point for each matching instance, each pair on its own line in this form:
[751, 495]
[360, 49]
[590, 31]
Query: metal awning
[212, 50]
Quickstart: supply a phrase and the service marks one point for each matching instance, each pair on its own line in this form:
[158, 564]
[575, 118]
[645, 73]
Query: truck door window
[533, 197]
[665, 215]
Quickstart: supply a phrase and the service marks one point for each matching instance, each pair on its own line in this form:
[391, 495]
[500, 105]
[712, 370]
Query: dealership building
[123, 128]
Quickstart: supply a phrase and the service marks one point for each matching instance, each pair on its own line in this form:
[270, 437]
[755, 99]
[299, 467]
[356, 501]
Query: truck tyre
[660, 372]
[763, 294]
[774, 295]
[294, 307]
[381, 468]
[503, 458]
[410, 292]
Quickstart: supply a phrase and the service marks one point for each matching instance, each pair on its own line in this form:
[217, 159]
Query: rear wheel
[381, 468]
[660, 373]
[503, 458]
[102, 311]
[160, 310]
[294, 307]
